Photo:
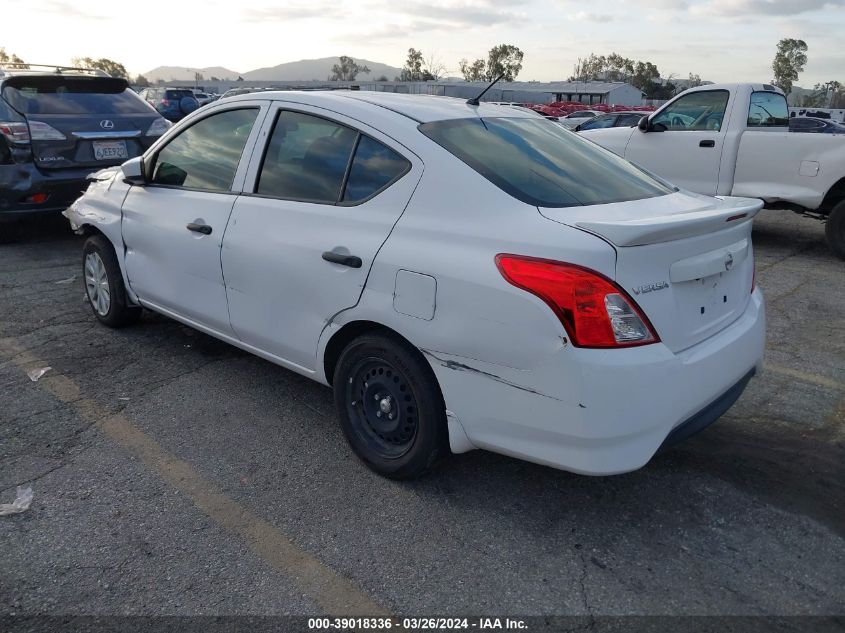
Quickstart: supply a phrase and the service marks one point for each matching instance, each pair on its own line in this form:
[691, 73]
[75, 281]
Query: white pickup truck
[734, 140]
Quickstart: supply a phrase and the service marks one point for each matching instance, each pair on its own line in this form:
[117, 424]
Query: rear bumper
[20, 181]
[602, 412]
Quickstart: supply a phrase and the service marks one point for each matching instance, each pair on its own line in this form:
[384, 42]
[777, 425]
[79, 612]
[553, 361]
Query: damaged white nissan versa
[464, 276]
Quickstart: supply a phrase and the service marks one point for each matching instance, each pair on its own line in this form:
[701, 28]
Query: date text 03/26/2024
[416, 624]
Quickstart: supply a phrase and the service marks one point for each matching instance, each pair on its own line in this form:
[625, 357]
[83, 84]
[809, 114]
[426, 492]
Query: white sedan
[462, 276]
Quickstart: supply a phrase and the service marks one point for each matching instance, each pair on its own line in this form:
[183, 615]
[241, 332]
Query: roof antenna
[474, 100]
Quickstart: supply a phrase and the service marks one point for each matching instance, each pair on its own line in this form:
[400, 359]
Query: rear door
[173, 226]
[326, 192]
[79, 122]
[684, 144]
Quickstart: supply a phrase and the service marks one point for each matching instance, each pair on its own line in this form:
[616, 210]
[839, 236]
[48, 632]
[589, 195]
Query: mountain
[318, 69]
[180, 73]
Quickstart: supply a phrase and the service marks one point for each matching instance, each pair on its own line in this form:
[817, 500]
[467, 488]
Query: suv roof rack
[15, 68]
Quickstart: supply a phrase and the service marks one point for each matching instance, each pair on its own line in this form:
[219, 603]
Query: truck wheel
[835, 230]
[104, 284]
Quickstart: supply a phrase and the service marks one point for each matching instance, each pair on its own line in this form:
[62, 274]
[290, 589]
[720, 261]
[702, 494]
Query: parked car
[462, 276]
[815, 126]
[573, 119]
[203, 98]
[733, 139]
[172, 103]
[612, 119]
[57, 125]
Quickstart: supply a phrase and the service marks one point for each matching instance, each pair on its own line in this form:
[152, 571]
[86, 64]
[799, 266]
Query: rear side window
[768, 109]
[542, 164]
[598, 123]
[374, 168]
[206, 155]
[73, 95]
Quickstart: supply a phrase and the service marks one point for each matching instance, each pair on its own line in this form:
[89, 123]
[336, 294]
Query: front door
[299, 248]
[684, 144]
[174, 225]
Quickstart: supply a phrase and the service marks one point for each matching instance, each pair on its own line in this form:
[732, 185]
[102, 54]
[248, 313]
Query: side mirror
[643, 124]
[133, 171]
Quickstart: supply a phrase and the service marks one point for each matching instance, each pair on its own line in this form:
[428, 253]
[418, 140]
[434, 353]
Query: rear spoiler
[666, 228]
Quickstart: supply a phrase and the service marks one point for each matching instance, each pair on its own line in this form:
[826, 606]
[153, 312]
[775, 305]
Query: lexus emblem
[729, 261]
[106, 124]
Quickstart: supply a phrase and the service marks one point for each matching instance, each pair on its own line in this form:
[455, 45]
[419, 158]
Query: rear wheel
[104, 286]
[835, 230]
[390, 406]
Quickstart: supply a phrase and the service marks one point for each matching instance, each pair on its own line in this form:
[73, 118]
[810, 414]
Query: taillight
[40, 131]
[594, 310]
[15, 131]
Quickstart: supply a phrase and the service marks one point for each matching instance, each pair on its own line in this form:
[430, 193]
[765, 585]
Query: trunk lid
[685, 259]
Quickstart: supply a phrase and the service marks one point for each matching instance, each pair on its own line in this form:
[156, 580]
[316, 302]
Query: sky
[720, 40]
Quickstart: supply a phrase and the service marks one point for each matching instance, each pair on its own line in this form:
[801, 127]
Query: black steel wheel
[390, 406]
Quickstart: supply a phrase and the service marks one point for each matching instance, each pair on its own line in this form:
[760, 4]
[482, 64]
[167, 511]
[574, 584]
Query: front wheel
[104, 284]
[390, 406]
[835, 230]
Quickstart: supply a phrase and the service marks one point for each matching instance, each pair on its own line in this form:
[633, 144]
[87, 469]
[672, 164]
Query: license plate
[110, 150]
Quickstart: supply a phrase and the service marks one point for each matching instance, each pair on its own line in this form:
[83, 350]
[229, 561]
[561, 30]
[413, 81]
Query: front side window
[542, 164]
[695, 112]
[599, 123]
[306, 158]
[206, 155]
[768, 109]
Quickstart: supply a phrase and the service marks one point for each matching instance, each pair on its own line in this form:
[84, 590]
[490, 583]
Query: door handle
[707, 144]
[199, 228]
[344, 260]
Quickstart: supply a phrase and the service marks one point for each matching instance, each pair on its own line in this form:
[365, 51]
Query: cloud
[291, 13]
[583, 16]
[738, 8]
[70, 10]
[460, 14]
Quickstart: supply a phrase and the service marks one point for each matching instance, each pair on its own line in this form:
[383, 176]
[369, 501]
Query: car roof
[420, 108]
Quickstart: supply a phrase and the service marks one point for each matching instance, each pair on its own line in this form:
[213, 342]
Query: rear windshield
[542, 164]
[72, 95]
[178, 94]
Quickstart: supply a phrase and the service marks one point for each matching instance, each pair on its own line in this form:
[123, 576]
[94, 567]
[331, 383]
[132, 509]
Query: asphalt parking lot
[176, 475]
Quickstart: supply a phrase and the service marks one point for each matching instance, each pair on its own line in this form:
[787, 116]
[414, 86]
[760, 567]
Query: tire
[381, 374]
[188, 105]
[834, 230]
[104, 279]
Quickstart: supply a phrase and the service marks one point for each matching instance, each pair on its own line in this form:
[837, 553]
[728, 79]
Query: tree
[693, 81]
[414, 69]
[213, 78]
[382, 78]
[347, 70]
[108, 66]
[505, 60]
[790, 59]
[472, 71]
[142, 81]
[435, 66]
[6, 58]
[645, 78]
[830, 94]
